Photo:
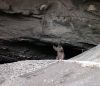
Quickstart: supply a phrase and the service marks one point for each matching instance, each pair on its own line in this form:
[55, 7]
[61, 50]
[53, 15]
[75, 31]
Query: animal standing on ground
[60, 52]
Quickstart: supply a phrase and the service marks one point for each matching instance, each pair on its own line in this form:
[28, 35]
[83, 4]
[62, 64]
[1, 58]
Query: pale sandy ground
[12, 70]
[82, 70]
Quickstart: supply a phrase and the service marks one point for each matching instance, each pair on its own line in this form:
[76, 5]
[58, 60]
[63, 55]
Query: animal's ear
[55, 48]
[60, 46]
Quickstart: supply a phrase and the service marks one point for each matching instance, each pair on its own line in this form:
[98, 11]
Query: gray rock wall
[63, 21]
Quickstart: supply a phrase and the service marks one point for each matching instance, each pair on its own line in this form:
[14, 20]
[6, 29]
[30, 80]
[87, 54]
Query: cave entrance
[24, 50]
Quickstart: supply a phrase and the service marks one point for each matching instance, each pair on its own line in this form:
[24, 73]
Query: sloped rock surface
[12, 70]
[71, 72]
[91, 55]
[64, 73]
[72, 25]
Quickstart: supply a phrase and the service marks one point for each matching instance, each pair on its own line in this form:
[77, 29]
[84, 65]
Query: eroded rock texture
[65, 21]
[71, 22]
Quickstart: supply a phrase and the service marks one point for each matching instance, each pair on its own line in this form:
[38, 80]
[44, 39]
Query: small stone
[91, 8]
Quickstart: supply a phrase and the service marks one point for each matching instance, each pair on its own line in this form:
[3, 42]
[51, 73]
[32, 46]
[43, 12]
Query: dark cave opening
[71, 51]
[24, 50]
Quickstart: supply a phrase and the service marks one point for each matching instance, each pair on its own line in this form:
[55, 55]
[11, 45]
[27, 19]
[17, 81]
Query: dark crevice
[12, 51]
[19, 15]
[71, 51]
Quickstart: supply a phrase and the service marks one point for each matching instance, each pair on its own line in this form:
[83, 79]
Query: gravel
[15, 69]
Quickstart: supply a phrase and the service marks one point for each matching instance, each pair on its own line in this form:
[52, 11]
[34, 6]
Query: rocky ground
[29, 29]
[24, 21]
[76, 71]
[12, 70]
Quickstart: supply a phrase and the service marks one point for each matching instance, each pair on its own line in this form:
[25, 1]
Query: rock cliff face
[29, 28]
[71, 22]
[65, 21]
